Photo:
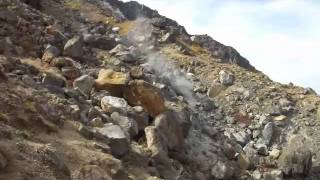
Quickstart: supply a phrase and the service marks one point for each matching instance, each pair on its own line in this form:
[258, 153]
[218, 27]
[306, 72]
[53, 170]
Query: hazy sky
[279, 37]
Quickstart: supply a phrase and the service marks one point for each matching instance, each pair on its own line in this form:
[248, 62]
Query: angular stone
[267, 133]
[73, 47]
[127, 124]
[168, 124]
[141, 93]
[119, 48]
[112, 81]
[242, 137]
[111, 104]
[155, 142]
[140, 117]
[118, 141]
[226, 78]
[84, 83]
[100, 42]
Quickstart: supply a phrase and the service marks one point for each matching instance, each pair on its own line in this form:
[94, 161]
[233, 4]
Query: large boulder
[296, 158]
[171, 127]
[117, 139]
[73, 47]
[113, 82]
[141, 93]
[110, 104]
[100, 42]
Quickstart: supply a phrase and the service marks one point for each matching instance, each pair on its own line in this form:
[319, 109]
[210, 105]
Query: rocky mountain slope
[102, 90]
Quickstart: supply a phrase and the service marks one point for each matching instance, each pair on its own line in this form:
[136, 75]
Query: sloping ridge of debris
[107, 90]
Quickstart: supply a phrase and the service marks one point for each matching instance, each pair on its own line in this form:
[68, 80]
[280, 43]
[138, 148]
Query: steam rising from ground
[177, 79]
[142, 35]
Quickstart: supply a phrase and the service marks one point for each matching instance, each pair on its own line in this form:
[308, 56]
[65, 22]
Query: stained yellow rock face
[112, 81]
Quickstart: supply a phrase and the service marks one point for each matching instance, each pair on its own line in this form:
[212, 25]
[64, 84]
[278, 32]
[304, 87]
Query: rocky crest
[102, 90]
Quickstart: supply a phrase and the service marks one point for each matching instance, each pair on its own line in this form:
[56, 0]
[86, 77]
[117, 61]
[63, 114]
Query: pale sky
[279, 37]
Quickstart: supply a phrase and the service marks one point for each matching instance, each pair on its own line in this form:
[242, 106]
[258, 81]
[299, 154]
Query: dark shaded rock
[85, 131]
[267, 133]
[117, 139]
[100, 42]
[70, 72]
[226, 53]
[53, 80]
[73, 47]
[33, 3]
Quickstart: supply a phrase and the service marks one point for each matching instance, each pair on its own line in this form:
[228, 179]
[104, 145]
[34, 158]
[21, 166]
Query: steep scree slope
[102, 90]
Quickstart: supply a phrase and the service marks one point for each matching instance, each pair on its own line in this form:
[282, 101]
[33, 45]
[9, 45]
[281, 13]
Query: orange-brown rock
[141, 93]
[112, 81]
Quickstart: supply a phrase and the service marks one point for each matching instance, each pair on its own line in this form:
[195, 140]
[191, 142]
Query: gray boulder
[110, 104]
[226, 78]
[127, 124]
[84, 84]
[242, 137]
[267, 133]
[118, 141]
